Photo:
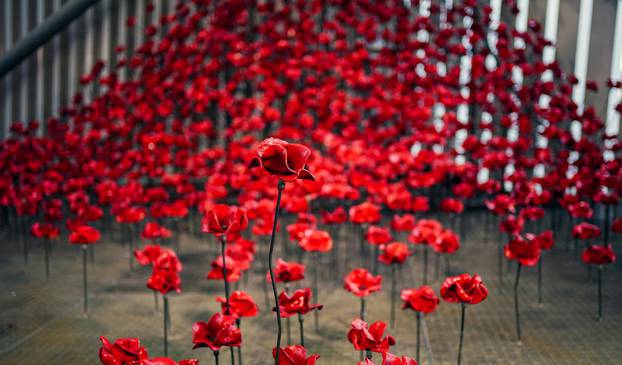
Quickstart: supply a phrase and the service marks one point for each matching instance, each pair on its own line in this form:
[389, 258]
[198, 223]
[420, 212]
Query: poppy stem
[131, 246]
[232, 355]
[500, 258]
[368, 354]
[516, 312]
[393, 294]
[238, 322]
[418, 335]
[46, 247]
[600, 292]
[287, 320]
[165, 315]
[425, 265]
[223, 241]
[315, 291]
[540, 280]
[155, 299]
[84, 281]
[280, 187]
[216, 353]
[461, 332]
[362, 308]
[606, 230]
[302, 332]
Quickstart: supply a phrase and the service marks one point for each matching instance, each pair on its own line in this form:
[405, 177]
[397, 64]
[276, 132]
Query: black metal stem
[223, 241]
[216, 353]
[84, 280]
[516, 311]
[280, 187]
[540, 279]
[393, 294]
[165, 315]
[238, 322]
[425, 265]
[600, 292]
[461, 333]
[418, 336]
[46, 248]
[302, 332]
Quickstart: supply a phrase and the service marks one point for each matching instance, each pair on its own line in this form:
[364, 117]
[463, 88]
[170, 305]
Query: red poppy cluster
[374, 116]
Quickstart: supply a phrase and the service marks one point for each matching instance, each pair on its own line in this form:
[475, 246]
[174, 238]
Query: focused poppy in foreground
[285, 160]
[287, 272]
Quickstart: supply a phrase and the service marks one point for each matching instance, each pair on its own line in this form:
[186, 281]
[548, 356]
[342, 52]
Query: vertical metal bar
[581, 58]
[73, 61]
[39, 89]
[8, 79]
[139, 30]
[104, 46]
[23, 69]
[548, 56]
[88, 60]
[56, 66]
[615, 95]
[122, 33]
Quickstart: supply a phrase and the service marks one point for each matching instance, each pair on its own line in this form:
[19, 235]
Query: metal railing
[43, 83]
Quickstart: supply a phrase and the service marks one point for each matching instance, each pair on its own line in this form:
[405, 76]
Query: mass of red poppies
[233, 114]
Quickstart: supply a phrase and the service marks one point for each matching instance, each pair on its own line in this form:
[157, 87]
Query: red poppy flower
[585, 231]
[390, 359]
[512, 224]
[123, 351]
[394, 253]
[233, 269]
[376, 235]
[153, 230]
[316, 240]
[464, 288]
[131, 215]
[241, 304]
[420, 204]
[580, 209]
[148, 255]
[501, 204]
[287, 272]
[525, 251]
[219, 331]
[222, 219]
[298, 302]
[365, 213]
[545, 240]
[294, 355]
[370, 339]
[616, 226]
[446, 242]
[403, 223]
[337, 216]
[361, 282]
[451, 205]
[84, 235]
[425, 232]
[164, 281]
[47, 231]
[422, 300]
[282, 159]
[297, 230]
[598, 255]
